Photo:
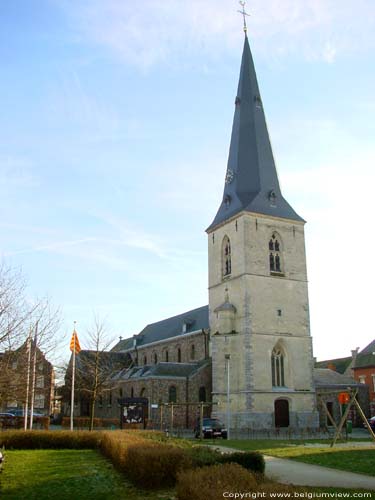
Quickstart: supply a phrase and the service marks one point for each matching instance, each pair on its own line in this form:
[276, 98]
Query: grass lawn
[66, 475]
[348, 459]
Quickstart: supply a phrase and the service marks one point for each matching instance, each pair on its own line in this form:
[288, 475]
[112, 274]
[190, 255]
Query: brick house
[13, 376]
[364, 371]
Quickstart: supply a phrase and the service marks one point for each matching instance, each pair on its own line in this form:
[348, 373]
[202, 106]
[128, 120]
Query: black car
[371, 421]
[211, 428]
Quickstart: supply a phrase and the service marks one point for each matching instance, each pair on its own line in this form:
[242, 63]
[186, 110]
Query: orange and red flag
[74, 343]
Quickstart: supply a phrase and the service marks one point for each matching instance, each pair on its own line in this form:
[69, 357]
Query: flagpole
[27, 379]
[33, 379]
[73, 378]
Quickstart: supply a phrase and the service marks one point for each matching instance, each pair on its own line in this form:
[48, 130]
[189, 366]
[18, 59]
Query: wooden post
[344, 417]
[201, 421]
[330, 418]
[364, 419]
[172, 419]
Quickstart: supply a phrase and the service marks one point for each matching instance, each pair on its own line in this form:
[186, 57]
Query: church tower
[258, 297]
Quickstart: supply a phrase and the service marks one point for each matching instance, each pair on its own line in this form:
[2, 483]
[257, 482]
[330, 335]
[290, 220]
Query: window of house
[274, 247]
[172, 394]
[202, 395]
[192, 351]
[179, 355]
[362, 379]
[40, 382]
[277, 366]
[226, 257]
[39, 401]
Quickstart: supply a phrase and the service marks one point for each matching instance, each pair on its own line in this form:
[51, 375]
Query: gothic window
[132, 392]
[166, 356]
[121, 392]
[172, 394]
[202, 395]
[100, 401]
[145, 360]
[143, 392]
[110, 398]
[179, 355]
[155, 358]
[277, 366]
[274, 247]
[192, 351]
[227, 257]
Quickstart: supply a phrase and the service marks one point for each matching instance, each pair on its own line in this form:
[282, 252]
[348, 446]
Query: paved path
[291, 472]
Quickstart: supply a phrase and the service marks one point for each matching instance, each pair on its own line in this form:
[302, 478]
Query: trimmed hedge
[31, 440]
[155, 465]
[209, 483]
[250, 460]
[84, 422]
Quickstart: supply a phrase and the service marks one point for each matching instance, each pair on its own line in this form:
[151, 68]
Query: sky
[114, 135]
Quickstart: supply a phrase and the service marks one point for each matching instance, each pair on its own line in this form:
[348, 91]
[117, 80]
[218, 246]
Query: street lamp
[227, 363]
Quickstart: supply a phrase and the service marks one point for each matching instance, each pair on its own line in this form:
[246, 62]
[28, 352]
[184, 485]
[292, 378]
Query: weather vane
[244, 13]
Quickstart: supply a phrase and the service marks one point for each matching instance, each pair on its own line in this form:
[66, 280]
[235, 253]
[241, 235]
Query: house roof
[324, 377]
[251, 182]
[196, 319]
[366, 357]
[161, 370]
[340, 364]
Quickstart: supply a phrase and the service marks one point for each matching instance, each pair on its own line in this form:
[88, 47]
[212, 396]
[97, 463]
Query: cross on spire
[244, 14]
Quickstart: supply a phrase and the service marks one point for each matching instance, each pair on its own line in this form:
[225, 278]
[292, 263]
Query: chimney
[354, 354]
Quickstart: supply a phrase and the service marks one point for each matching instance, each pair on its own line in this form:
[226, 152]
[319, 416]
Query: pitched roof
[251, 180]
[340, 364]
[161, 370]
[325, 377]
[196, 319]
[366, 357]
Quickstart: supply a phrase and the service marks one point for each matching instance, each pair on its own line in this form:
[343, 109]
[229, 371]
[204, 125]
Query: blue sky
[114, 134]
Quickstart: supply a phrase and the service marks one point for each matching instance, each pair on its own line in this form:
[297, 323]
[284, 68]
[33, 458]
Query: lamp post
[227, 366]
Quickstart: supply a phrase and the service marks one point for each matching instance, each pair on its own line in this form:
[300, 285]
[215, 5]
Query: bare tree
[95, 367]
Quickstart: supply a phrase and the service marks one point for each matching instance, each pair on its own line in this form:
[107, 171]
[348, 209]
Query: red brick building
[364, 371]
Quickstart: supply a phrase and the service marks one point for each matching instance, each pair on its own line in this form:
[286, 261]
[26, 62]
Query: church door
[281, 413]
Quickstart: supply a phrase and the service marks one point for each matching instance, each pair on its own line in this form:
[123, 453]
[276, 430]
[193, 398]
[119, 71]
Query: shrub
[30, 440]
[84, 422]
[203, 456]
[250, 460]
[209, 483]
[155, 465]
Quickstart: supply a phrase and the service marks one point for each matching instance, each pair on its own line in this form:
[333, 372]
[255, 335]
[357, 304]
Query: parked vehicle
[211, 428]
[371, 421]
[8, 420]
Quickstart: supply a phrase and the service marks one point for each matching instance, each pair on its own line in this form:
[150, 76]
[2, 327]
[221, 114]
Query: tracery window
[179, 355]
[277, 366]
[227, 257]
[166, 356]
[274, 248]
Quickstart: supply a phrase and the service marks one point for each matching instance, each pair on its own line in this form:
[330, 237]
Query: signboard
[344, 398]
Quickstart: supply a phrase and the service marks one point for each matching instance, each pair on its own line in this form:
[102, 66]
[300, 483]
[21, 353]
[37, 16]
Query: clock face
[229, 177]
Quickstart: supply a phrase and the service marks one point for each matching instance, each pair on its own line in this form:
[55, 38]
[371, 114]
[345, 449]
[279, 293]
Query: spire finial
[244, 13]
[74, 329]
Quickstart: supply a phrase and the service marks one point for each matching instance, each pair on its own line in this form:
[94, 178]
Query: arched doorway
[281, 413]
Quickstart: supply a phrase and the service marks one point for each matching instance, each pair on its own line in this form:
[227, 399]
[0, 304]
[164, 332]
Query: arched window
[143, 392]
[277, 366]
[172, 394]
[121, 392]
[155, 358]
[274, 247]
[202, 395]
[226, 257]
[192, 351]
[179, 355]
[132, 392]
[145, 360]
[166, 356]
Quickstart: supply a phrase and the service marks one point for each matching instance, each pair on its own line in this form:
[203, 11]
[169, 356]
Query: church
[248, 354]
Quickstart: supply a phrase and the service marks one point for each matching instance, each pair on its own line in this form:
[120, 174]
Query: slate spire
[251, 181]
